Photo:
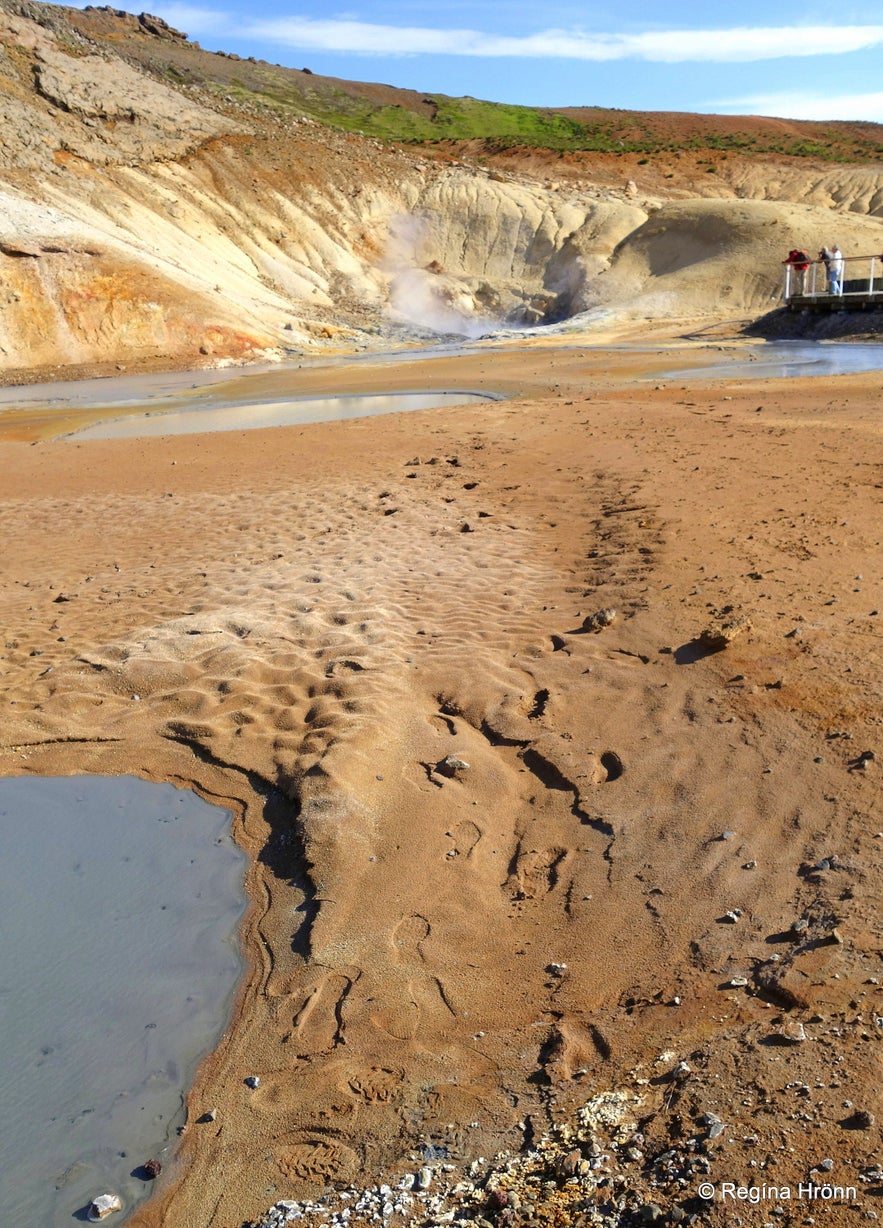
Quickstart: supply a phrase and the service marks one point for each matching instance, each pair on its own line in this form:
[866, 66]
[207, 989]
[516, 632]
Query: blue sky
[798, 60]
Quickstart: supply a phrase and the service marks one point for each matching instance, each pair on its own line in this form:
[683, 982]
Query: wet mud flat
[505, 856]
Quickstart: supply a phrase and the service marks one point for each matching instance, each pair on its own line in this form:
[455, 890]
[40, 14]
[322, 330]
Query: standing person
[799, 262]
[835, 270]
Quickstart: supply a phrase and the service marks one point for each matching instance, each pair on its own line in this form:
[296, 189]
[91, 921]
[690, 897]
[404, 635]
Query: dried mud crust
[451, 964]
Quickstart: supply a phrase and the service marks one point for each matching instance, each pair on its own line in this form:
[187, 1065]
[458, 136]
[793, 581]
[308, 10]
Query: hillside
[405, 115]
[166, 205]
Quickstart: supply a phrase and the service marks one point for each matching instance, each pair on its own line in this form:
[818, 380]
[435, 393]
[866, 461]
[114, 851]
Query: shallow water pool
[244, 417]
[784, 359]
[120, 904]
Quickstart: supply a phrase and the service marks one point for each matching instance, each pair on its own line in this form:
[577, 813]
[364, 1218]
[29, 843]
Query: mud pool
[120, 908]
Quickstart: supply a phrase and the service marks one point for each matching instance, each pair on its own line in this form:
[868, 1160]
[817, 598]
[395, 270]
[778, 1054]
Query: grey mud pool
[120, 903]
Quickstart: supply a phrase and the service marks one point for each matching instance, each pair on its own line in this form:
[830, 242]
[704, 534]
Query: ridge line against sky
[809, 67]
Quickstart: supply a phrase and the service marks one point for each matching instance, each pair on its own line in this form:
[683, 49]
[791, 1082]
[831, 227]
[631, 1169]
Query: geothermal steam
[419, 292]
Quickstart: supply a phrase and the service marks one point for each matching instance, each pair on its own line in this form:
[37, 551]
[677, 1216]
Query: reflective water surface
[784, 359]
[120, 903]
[244, 417]
[257, 396]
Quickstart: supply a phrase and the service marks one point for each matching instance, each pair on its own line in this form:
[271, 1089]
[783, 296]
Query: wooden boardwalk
[859, 300]
[806, 286]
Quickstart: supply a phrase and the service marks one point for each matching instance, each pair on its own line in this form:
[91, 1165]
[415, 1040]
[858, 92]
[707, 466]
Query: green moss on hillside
[408, 116]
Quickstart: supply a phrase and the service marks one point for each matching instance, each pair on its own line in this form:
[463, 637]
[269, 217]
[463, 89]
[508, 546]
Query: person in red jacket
[799, 262]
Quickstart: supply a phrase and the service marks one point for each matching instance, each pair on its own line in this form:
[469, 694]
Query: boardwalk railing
[862, 276]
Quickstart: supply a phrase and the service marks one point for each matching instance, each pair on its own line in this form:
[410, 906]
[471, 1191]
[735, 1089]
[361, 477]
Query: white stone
[104, 1205]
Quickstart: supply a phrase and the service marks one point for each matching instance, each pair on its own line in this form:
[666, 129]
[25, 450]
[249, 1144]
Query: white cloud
[741, 44]
[195, 20]
[760, 43]
[867, 107]
[191, 18]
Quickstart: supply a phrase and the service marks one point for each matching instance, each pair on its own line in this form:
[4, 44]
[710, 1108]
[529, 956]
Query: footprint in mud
[277, 1094]
[535, 872]
[318, 1161]
[401, 1020]
[316, 1021]
[408, 935]
[377, 1085]
[446, 1107]
[465, 836]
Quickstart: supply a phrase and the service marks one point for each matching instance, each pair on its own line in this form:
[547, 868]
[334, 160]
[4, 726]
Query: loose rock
[104, 1205]
[792, 1032]
[599, 620]
[452, 766]
[569, 1165]
[718, 635]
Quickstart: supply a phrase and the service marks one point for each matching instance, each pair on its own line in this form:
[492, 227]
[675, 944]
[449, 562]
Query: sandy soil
[306, 623]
